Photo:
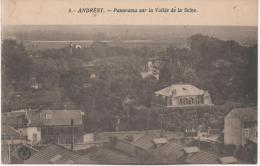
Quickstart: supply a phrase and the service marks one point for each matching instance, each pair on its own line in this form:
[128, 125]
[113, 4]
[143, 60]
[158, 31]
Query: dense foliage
[226, 69]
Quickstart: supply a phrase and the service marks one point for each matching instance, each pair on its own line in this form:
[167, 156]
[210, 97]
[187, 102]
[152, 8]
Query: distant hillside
[246, 36]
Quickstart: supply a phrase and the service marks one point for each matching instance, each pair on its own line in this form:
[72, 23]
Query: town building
[182, 95]
[45, 126]
[152, 67]
[240, 126]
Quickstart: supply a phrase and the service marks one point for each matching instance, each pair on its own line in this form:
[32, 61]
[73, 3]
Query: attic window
[55, 158]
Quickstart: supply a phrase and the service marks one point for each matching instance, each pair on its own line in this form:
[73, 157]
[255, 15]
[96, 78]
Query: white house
[240, 126]
[182, 95]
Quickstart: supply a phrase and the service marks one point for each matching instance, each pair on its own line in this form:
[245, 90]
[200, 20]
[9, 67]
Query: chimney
[72, 134]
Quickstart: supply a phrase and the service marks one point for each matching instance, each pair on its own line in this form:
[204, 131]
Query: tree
[16, 64]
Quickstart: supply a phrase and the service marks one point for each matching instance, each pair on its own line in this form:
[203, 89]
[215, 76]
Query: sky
[56, 12]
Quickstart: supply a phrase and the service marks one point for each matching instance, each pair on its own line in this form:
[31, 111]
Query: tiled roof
[9, 132]
[14, 120]
[84, 159]
[55, 154]
[110, 156]
[180, 90]
[202, 157]
[244, 114]
[54, 117]
[172, 148]
[146, 141]
[104, 136]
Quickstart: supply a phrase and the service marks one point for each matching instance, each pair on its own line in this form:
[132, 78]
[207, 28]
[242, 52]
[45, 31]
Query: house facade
[182, 95]
[240, 126]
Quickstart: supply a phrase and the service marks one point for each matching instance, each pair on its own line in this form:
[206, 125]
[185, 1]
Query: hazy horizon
[159, 34]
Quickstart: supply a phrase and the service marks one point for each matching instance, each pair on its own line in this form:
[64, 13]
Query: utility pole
[72, 135]
[171, 67]
[161, 121]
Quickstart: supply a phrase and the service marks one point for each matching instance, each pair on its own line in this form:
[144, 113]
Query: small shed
[160, 141]
[191, 149]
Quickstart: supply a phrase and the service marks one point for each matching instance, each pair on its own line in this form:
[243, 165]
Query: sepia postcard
[129, 82]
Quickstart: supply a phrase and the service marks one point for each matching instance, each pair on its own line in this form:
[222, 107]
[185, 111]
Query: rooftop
[56, 154]
[146, 141]
[9, 132]
[172, 148]
[180, 90]
[16, 121]
[160, 141]
[228, 160]
[202, 157]
[244, 114]
[54, 117]
[104, 136]
[111, 156]
[191, 149]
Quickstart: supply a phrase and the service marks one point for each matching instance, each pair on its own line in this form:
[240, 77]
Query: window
[189, 101]
[192, 101]
[186, 101]
[247, 132]
[181, 101]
